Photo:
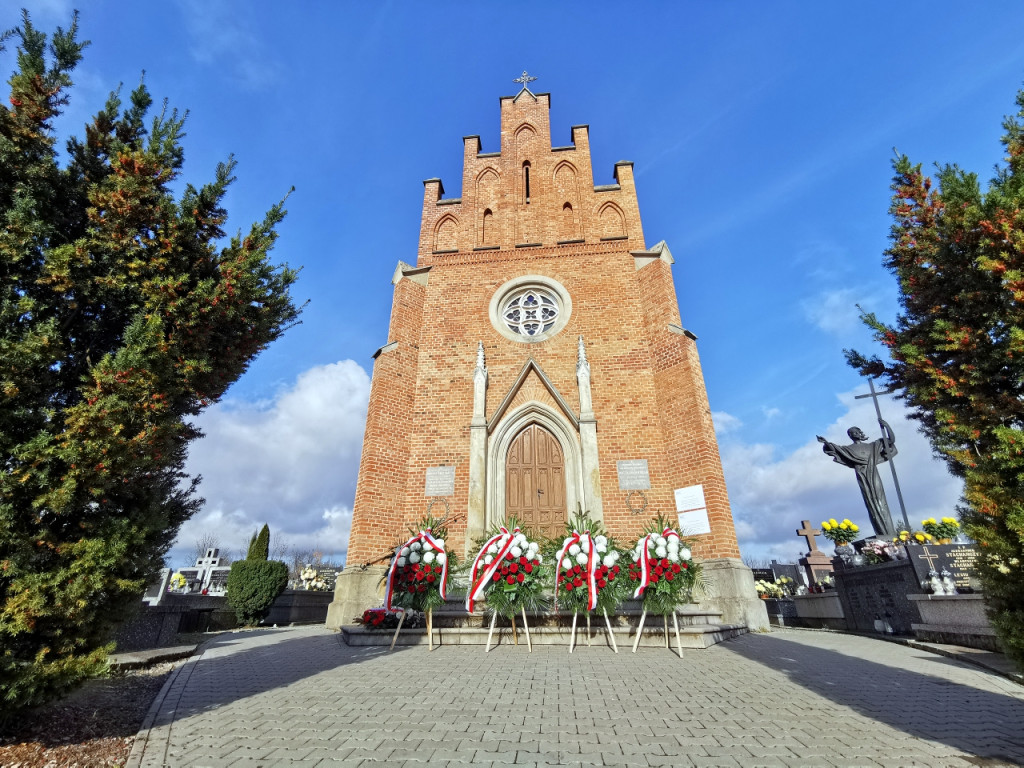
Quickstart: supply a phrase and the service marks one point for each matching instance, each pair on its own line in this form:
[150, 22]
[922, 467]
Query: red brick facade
[648, 393]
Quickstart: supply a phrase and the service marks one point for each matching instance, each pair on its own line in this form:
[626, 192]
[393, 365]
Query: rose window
[530, 312]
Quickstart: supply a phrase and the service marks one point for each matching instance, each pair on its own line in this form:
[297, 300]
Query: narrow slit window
[526, 181]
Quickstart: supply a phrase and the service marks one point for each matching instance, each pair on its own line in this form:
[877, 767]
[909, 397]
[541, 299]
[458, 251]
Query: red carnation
[528, 568]
[685, 565]
[601, 583]
[669, 576]
[422, 588]
[664, 563]
[415, 566]
[431, 577]
[438, 569]
[654, 577]
[577, 582]
[508, 556]
[497, 576]
[520, 577]
[568, 586]
[577, 570]
[615, 570]
[523, 560]
[511, 579]
[675, 568]
[513, 568]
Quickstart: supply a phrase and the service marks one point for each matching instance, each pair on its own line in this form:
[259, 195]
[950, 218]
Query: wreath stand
[607, 623]
[430, 629]
[675, 623]
[515, 636]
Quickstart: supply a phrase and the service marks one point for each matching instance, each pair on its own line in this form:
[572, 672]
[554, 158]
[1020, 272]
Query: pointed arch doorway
[535, 481]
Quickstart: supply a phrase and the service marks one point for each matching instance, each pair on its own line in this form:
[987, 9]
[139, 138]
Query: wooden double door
[535, 482]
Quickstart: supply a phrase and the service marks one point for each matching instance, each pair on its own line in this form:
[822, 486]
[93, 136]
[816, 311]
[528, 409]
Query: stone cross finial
[525, 79]
[809, 533]
[480, 356]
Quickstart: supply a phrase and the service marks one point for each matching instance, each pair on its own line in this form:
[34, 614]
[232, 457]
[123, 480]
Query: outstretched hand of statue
[821, 439]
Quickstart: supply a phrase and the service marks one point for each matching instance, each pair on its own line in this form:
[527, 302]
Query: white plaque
[633, 475]
[440, 481]
[691, 497]
[694, 523]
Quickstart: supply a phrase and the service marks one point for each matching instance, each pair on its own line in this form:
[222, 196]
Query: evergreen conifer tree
[123, 314]
[957, 350]
[261, 549]
[250, 553]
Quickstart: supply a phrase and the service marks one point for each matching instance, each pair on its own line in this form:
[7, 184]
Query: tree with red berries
[123, 314]
[956, 350]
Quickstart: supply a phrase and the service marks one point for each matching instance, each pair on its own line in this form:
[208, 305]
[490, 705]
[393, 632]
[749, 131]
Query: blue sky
[761, 134]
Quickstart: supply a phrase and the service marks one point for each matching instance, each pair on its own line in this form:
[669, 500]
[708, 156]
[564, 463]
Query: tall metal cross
[809, 533]
[878, 412]
[525, 79]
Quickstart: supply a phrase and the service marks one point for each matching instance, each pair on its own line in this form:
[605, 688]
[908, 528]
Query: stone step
[457, 617]
[691, 637]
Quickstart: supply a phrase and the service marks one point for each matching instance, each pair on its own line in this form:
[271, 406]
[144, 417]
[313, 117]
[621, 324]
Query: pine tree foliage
[123, 313]
[957, 350]
[261, 547]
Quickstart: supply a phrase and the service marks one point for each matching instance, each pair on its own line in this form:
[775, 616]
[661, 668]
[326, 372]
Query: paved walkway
[299, 697]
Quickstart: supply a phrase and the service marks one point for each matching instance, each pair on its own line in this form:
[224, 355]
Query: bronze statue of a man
[865, 457]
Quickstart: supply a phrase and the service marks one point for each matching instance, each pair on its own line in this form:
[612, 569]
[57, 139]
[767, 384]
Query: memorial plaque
[958, 559]
[218, 580]
[763, 574]
[633, 475]
[691, 497]
[694, 522]
[440, 481]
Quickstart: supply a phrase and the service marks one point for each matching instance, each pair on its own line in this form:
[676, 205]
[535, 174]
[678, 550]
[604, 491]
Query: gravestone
[763, 574]
[875, 597]
[218, 583]
[791, 571]
[958, 559]
[193, 583]
[816, 564]
[155, 592]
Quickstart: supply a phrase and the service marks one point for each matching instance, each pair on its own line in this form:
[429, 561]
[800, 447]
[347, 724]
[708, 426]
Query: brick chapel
[536, 364]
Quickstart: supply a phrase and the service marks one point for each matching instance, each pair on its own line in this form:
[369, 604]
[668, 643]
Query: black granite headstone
[958, 559]
[763, 574]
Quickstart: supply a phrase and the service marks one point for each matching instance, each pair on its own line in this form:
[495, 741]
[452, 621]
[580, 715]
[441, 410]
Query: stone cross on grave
[525, 79]
[809, 533]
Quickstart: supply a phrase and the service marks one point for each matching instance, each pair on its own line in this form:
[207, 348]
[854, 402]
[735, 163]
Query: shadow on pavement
[239, 665]
[983, 723]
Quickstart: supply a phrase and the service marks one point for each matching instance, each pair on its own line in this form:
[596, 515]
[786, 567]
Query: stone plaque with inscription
[958, 559]
[633, 475]
[440, 481]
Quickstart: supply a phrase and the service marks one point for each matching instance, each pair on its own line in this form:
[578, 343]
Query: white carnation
[428, 557]
[493, 549]
[401, 562]
[441, 558]
[539, 558]
[581, 558]
[567, 564]
[519, 539]
[439, 542]
[673, 543]
[660, 541]
[635, 557]
[405, 551]
[488, 559]
[685, 553]
[414, 557]
[601, 549]
[574, 550]
[516, 552]
[660, 552]
[416, 546]
[608, 561]
[601, 540]
[673, 555]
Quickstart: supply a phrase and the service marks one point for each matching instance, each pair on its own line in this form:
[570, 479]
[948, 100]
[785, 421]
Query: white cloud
[291, 463]
[770, 413]
[224, 37]
[835, 311]
[725, 422]
[772, 494]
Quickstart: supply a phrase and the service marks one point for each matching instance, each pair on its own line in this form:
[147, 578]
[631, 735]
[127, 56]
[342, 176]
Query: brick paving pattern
[300, 697]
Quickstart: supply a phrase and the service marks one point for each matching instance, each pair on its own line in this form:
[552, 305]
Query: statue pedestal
[354, 592]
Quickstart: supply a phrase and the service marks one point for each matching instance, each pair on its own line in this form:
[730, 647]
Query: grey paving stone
[299, 697]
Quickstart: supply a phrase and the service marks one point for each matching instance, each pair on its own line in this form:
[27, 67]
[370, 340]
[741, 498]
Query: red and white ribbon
[486, 572]
[586, 543]
[645, 559]
[427, 540]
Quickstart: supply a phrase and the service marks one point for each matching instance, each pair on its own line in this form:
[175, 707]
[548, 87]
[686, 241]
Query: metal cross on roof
[525, 79]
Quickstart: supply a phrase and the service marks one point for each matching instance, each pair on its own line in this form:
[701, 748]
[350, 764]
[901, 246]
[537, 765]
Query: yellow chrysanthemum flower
[854, 527]
[825, 526]
[928, 536]
[832, 522]
[844, 526]
[919, 536]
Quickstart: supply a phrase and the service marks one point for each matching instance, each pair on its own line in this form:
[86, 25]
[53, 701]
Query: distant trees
[956, 350]
[124, 312]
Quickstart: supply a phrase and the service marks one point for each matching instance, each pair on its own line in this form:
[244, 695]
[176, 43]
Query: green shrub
[252, 587]
[260, 549]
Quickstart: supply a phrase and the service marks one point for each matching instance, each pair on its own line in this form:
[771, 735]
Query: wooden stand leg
[639, 630]
[526, 629]
[397, 630]
[515, 637]
[430, 629]
[679, 643]
[572, 637]
[588, 629]
[494, 618]
[611, 635]
[664, 618]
